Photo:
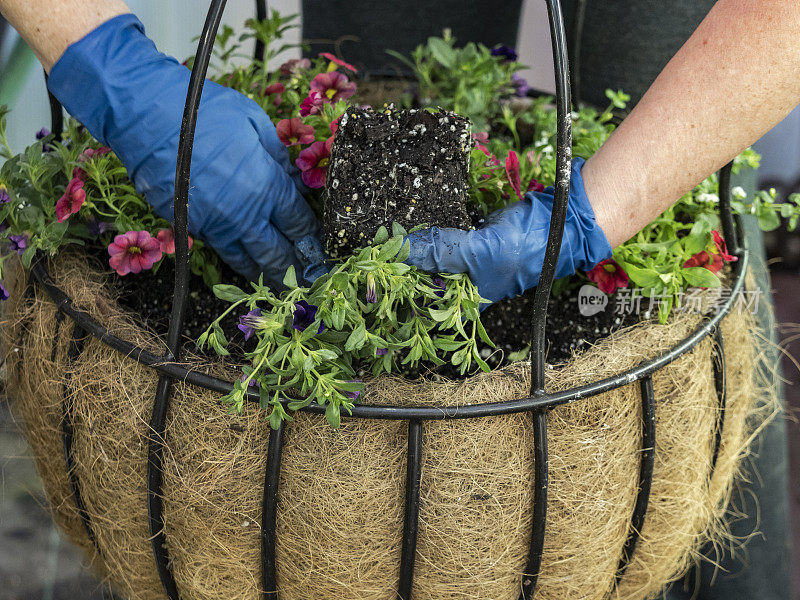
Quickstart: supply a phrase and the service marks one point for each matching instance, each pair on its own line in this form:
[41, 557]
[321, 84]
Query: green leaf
[700, 277]
[290, 279]
[381, 236]
[398, 230]
[645, 278]
[357, 339]
[441, 315]
[332, 415]
[390, 249]
[326, 354]
[231, 293]
[442, 52]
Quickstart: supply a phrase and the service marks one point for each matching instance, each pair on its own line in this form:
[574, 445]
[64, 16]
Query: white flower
[739, 193]
[706, 197]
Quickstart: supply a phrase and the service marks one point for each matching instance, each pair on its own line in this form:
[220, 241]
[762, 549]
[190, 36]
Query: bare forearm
[732, 81]
[49, 26]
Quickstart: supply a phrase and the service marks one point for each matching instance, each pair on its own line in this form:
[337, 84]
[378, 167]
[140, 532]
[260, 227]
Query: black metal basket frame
[537, 403]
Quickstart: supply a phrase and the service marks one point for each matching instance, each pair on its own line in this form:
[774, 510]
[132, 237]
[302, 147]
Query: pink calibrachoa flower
[707, 260]
[334, 126]
[313, 104]
[722, 247]
[608, 276]
[534, 186]
[134, 252]
[313, 162]
[73, 198]
[333, 86]
[166, 239]
[482, 137]
[90, 153]
[337, 61]
[293, 132]
[277, 89]
[294, 66]
[512, 172]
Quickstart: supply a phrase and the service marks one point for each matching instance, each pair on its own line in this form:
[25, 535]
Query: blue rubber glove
[245, 197]
[504, 257]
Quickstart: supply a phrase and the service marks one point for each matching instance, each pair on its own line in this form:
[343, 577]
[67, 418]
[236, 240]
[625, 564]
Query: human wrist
[50, 27]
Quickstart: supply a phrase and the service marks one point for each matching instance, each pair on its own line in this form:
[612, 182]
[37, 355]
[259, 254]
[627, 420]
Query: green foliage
[467, 80]
[416, 318]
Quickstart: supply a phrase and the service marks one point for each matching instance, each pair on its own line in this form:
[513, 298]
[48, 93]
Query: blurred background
[35, 563]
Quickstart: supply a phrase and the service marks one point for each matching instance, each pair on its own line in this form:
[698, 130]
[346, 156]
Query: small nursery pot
[341, 494]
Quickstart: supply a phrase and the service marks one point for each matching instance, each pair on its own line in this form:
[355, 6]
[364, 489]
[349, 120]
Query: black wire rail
[537, 403]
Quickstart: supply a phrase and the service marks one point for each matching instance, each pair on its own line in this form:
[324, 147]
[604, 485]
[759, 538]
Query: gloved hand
[504, 257]
[245, 198]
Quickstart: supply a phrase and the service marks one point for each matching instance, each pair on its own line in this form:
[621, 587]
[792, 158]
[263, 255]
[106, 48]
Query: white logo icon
[591, 300]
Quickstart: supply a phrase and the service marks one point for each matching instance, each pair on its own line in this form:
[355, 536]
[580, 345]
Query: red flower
[277, 89]
[134, 252]
[294, 66]
[313, 162]
[166, 240]
[492, 158]
[512, 172]
[534, 186]
[333, 86]
[312, 105]
[334, 126]
[722, 247]
[292, 132]
[72, 200]
[90, 153]
[338, 61]
[708, 260]
[608, 276]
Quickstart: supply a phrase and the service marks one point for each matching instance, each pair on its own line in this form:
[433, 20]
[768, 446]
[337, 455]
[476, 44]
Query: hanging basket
[601, 477]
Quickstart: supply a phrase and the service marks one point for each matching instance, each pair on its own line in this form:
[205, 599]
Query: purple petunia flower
[381, 351]
[5, 197]
[304, 315]
[249, 323]
[3, 292]
[97, 228]
[253, 383]
[353, 395]
[3, 226]
[506, 52]
[521, 87]
[440, 284]
[371, 295]
[42, 133]
[18, 243]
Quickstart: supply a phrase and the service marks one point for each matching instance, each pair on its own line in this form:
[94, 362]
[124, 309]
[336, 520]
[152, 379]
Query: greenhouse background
[34, 562]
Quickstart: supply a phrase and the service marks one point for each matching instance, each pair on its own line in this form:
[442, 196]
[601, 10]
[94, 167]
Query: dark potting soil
[388, 165]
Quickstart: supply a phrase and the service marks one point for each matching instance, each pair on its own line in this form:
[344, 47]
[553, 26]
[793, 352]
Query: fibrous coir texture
[341, 492]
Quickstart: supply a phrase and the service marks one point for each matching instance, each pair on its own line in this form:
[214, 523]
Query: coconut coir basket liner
[341, 493]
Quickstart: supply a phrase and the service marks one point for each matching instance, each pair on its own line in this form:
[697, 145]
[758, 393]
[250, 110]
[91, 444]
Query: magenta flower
[506, 52]
[277, 89]
[294, 66]
[334, 126]
[292, 132]
[512, 172]
[304, 315]
[166, 239]
[5, 197]
[338, 61]
[333, 86]
[73, 198]
[249, 323]
[534, 186]
[134, 252]
[608, 276]
[90, 153]
[3, 292]
[18, 243]
[313, 104]
[313, 162]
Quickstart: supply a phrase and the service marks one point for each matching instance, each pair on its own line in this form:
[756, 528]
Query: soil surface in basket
[508, 323]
